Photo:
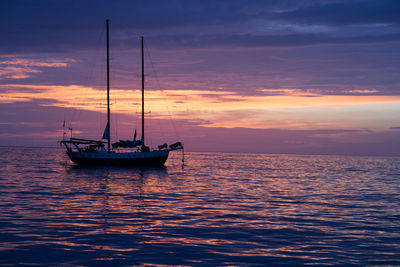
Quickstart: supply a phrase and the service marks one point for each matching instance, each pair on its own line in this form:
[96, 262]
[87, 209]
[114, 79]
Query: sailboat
[103, 153]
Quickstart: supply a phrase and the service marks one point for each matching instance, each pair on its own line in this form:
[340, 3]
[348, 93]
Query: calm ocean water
[219, 209]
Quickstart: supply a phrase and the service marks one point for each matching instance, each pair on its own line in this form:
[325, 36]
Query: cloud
[159, 101]
[295, 65]
[266, 40]
[39, 123]
[65, 26]
[340, 142]
[41, 120]
[11, 72]
[23, 68]
[42, 126]
[37, 63]
[346, 12]
[361, 92]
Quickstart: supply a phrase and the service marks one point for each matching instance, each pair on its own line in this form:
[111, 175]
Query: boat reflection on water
[114, 171]
[113, 189]
[223, 209]
[111, 203]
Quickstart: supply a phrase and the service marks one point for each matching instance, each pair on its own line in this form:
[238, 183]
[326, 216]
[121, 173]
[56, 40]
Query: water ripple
[219, 209]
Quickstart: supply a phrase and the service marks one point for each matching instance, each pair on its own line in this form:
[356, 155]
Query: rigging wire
[162, 92]
[116, 124]
[124, 45]
[77, 112]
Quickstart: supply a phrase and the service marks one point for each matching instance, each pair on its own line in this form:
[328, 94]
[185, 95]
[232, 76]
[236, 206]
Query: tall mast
[108, 90]
[142, 93]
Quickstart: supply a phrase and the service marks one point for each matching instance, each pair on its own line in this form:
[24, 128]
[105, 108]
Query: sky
[271, 76]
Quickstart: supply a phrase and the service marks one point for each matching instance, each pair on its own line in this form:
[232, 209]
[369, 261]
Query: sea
[215, 209]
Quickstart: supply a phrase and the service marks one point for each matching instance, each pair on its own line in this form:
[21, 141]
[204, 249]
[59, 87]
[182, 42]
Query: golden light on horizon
[218, 108]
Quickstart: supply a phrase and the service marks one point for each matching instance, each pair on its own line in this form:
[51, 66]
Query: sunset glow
[292, 110]
[274, 70]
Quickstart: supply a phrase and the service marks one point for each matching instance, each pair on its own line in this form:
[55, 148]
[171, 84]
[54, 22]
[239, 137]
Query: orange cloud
[37, 63]
[20, 68]
[12, 72]
[293, 109]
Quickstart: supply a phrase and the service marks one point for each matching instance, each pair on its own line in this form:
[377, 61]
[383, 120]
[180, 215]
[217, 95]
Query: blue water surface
[219, 209]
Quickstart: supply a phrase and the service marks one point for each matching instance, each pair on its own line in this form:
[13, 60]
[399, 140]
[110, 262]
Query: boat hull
[134, 159]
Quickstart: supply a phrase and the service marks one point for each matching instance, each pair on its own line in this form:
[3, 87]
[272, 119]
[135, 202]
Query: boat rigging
[94, 152]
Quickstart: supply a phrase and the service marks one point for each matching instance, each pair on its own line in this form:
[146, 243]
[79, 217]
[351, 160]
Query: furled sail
[127, 143]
